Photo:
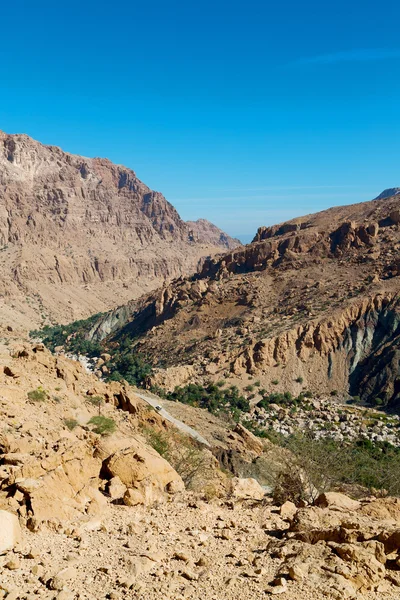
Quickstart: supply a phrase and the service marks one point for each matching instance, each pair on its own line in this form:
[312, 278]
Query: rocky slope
[310, 304]
[79, 235]
[87, 515]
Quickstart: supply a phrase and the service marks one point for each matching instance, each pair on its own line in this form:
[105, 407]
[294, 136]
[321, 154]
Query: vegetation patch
[103, 425]
[314, 466]
[72, 337]
[191, 462]
[213, 398]
[38, 395]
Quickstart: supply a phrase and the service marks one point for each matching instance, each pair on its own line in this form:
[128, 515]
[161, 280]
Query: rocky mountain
[388, 193]
[80, 235]
[207, 232]
[311, 304]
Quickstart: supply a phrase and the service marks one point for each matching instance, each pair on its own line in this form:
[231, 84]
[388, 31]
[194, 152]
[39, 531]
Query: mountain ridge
[315, 299]
[78, 235]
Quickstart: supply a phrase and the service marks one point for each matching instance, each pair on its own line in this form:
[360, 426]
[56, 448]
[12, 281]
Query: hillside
[310, 304]
[79, 236]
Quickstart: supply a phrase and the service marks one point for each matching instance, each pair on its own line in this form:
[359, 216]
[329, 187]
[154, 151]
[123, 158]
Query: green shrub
[299, 379]
[71, 336]
[157, 440]
[326, 464]
[103, 425]
[213, 398]
[275, 381]
[95, 401]
[191, 462]
[71, 423]
[38, 395]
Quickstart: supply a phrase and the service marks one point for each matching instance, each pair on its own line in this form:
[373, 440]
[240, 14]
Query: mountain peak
[388, 193]
[83, 234]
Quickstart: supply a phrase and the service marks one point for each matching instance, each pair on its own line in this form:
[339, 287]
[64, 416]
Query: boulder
[143, 471]
[288, 510]
[116, 489]
[10, 531]
[244, 489]
[337, 501]
[252, 442]
[62, 486]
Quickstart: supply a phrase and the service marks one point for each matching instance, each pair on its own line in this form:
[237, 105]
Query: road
[155, 401]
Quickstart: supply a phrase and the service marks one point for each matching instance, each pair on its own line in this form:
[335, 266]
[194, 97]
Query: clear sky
[244, 112]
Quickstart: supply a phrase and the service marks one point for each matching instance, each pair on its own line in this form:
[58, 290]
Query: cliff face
[206, 232]
[315, 301]
[80, 235]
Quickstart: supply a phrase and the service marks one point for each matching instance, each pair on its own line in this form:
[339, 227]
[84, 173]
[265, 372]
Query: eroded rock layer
[79, 235]
[314, 300]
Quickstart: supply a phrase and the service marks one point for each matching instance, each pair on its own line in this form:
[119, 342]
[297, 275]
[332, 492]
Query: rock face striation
[314, 300]
[79, 235]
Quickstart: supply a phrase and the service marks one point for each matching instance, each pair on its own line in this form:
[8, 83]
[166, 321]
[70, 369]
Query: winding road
[155, 401]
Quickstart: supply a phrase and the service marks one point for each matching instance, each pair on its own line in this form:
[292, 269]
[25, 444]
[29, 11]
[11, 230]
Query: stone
[10, 531]
[189, 574]
[141, 468]
[244, 489]
[335, 500]
[288, 510]
[58, 582]
[13, 564]
[116, 489]
[298, 571]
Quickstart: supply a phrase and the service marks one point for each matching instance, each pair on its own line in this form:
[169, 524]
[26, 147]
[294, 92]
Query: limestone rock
[10, 531]
[143, 470]
[337, 501]
[242, 489]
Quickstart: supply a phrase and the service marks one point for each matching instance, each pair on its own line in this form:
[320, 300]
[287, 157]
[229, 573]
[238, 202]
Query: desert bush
[96, 401]
[184, 455]
[71, 423]
[157, 440]
[299, 379]
[314, 466]
[37, 395]
[103, 425]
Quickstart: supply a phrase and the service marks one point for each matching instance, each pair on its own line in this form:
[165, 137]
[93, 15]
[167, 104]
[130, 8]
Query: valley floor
[186, 549]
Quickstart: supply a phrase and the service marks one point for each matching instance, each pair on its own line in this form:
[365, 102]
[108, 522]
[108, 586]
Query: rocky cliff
[314, 300]
[80, 235]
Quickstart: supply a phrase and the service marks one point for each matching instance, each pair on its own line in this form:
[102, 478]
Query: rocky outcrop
[56, 466]
[314, 300]
[208, 233]
[79, 235]
[388, 193]
[342, 546]
[143, 471]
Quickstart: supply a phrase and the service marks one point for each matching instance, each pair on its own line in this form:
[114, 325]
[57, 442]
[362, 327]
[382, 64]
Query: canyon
[288, 486]
[314, 299]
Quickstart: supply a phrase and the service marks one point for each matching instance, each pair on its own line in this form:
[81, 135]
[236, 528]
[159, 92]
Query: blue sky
[246, 113]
